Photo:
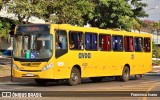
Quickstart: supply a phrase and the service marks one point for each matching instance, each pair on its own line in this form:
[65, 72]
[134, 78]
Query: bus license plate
[29, 74]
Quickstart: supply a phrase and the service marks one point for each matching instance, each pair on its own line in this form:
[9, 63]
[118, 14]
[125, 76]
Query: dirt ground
[5, 71]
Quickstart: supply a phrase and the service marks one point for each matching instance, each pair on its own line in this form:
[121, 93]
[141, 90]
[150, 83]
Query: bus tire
[75, 77]
[137, 76]
[41, 82]
[141, 75]
[125, 74]
[96, 79]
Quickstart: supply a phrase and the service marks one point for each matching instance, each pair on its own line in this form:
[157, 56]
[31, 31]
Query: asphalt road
[107, 89]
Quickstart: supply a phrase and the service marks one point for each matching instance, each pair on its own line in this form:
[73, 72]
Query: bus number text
[84, 55]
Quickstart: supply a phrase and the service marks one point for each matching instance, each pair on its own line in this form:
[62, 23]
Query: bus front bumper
[48, 74]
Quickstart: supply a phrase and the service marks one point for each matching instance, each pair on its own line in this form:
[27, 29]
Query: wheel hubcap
[126, 75]
[74, 77]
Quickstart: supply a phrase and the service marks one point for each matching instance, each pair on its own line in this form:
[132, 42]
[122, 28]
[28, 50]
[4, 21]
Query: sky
[153, 10]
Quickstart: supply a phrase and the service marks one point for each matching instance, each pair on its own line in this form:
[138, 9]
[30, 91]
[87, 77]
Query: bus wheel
[41, 82]
[141, 75]
[125, 74]
[75, 77]
[96, 79]
[137, 76]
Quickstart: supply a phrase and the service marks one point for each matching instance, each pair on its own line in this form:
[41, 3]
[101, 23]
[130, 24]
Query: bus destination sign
[33, 28]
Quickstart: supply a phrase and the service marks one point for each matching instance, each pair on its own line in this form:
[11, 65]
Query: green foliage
[155, 25]
[4, 28]
[98, 13]
[111, 14]
[70, 11]
[1, 3]
[138, 8]
[157, 51]
[24, 9]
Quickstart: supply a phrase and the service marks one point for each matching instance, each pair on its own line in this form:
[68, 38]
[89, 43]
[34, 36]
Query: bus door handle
[132, 56]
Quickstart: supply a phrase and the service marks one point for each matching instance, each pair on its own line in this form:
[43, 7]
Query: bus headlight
[15, 67]
[48, 66]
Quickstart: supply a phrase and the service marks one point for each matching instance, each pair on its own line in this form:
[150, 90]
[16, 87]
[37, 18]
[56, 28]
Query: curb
[156, 67]
[153, 74]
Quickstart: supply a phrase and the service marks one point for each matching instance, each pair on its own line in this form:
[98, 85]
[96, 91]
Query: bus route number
[84, 55]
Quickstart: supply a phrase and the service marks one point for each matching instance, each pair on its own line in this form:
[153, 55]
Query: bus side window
[91, 41]
[131, 44]
[94, 42]
[60, 42]
[76, 40]
[141, 44]
[113, 43]
[120, 43]
[138, 44]
[117, 43]
[147, 46]
[88, 41]
[128, 44]
[105, 42]
[61, 39]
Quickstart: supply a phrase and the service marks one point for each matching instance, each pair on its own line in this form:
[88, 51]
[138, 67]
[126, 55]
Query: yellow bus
[48, 52]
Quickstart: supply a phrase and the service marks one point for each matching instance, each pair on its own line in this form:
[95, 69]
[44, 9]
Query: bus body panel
[92, 63]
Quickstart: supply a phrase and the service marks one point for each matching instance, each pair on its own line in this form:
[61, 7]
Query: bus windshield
[32, 46]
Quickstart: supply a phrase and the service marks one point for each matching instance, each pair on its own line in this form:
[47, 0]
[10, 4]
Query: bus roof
[92, 29]
[97, 30]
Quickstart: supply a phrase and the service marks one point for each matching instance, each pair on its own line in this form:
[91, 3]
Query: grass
[156, 52]
[0, 53]
[156, 62]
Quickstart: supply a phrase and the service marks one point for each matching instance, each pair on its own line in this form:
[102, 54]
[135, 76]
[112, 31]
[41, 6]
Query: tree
[1, 4]
[25, 9]
[69, 11]
[5, 27]
[147, 25]
[110, 14]
[116, 14]
[137, 8]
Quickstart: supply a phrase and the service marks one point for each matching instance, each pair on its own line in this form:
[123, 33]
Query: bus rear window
[147, 45]
[138, 47]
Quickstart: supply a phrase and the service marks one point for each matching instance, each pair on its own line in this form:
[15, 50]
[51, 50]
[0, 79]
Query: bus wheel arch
[125, 73]
[75, 75]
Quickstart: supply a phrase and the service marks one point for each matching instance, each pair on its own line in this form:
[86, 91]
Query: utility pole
[157, 44]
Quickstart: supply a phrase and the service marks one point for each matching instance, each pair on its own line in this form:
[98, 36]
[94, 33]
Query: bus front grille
[31, 64]
[31, 70]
